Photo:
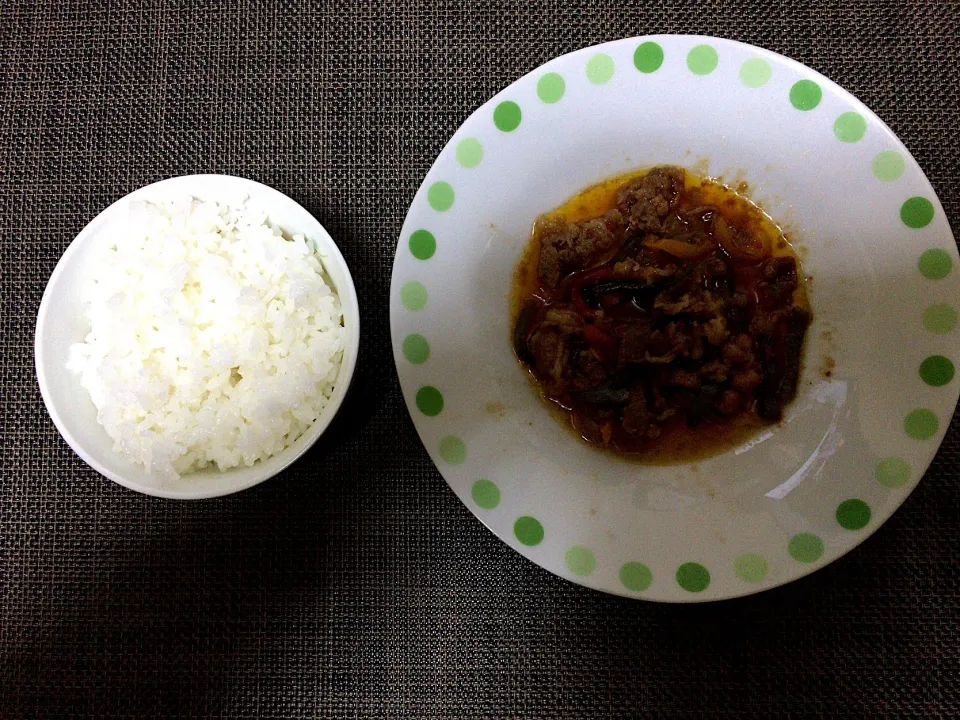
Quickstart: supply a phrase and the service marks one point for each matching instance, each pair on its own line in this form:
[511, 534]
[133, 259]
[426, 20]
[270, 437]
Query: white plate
[62, 321]
[884, 296]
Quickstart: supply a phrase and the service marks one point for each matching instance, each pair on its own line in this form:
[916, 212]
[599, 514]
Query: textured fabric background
[355, 584]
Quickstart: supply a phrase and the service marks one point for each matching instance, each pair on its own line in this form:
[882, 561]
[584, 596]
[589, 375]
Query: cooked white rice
[214, 339]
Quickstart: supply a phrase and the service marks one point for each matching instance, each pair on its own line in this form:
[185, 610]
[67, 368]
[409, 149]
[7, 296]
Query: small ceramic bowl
[61, 322]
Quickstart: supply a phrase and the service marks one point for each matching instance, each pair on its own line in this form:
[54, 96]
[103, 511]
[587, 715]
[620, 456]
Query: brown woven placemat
[355, 584]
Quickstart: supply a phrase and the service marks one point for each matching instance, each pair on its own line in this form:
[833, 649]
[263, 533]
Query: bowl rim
[350, 310]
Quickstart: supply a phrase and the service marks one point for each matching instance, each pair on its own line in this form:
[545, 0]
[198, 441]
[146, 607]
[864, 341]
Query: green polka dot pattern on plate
[423, 244]
[635, 576]
[892, 472]
[648, 57]
[693, 577]
[580, 560]
[416, 349]
[702, 60]
[413, 295]
[755, 72]
[551, 87]
[440, 196]
[805, 547]
[507, 116]
[750, 567]
[935, 264]
[430, 400]
[921, 424]
[485, 493]
[849, 127]
[453, 450]
[940, 318]
[600, 69]
[888, 165]
[528, 530]
[853, 514]
[805, 95]
[936, 370]
[469, 152]
[917, 212]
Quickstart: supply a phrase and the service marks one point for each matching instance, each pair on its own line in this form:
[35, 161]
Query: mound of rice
[214, 339]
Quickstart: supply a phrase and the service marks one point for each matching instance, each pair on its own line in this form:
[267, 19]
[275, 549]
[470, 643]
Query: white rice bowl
[214, 341]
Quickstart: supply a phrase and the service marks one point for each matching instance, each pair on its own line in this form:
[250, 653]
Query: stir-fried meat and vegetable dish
[661, 306]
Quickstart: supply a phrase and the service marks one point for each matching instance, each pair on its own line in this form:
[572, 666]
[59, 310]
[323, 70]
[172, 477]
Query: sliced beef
[728, 402]
[693, 227]
[683, 341]
[591, 370]
[647, 201]
[652, 432]
[636, 415]
[739, 350]
[699, 302]
[717, 276]
[737, 312]
[703, 402]
[634, 341]
[682, 378]
[549, 351]
[563, 319]
[746, 381]
[694, 291]
[778, 283]
[715, 330]
[649, 273]
[566, 247]
[782, 352]
[658, 348]
[714, 268]
[592, 431]
[764, 322]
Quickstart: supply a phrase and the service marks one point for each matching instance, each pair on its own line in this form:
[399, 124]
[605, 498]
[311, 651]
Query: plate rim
[802, 570]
